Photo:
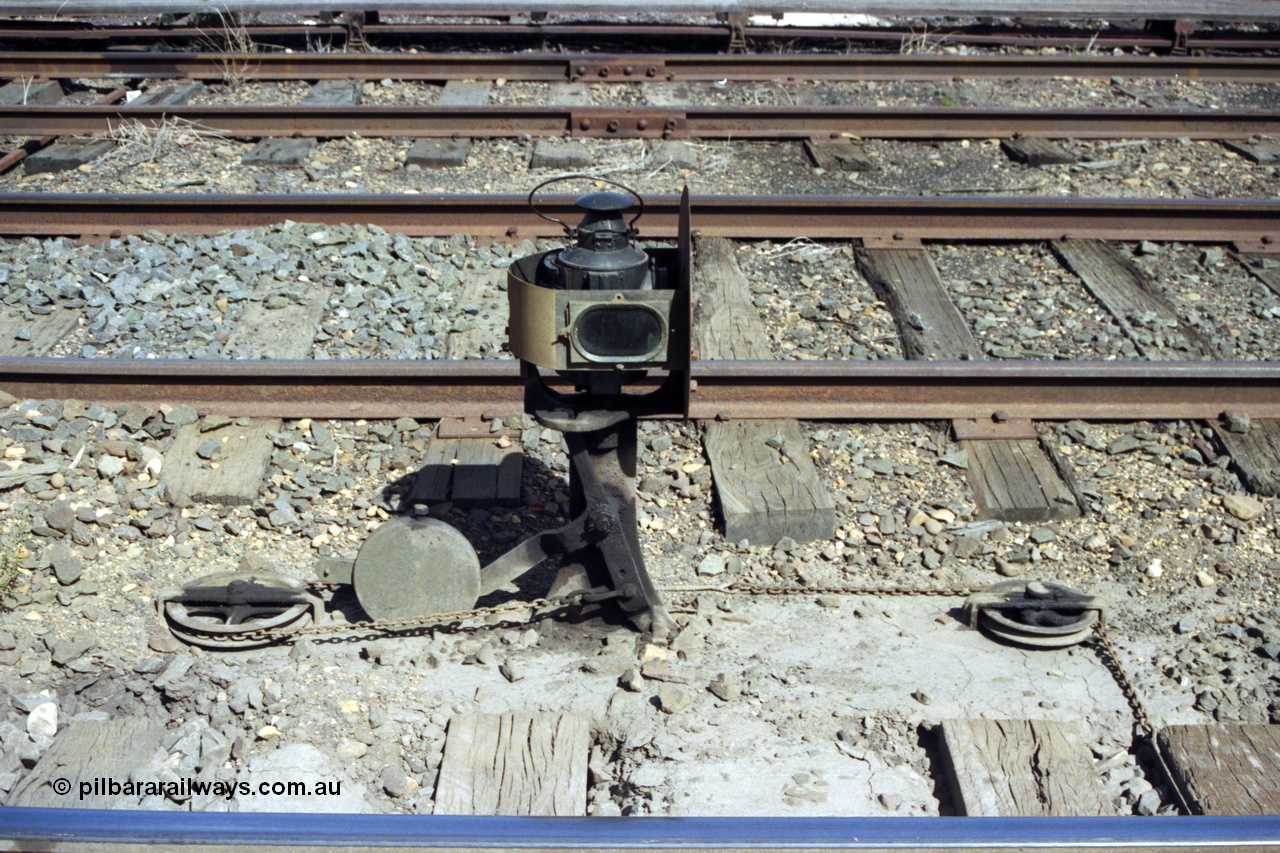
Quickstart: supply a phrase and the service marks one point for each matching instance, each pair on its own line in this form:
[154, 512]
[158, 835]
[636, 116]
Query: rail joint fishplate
[618, 70]
[614, 123]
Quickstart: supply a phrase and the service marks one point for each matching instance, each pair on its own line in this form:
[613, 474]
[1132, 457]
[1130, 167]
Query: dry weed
[13, 550]
[920, 43]
[144, 143]
[226, 34]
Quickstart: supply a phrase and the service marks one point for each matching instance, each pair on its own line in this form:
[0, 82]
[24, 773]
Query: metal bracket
[334, 570]
[465, 427]
[618, 70]
[737, 31]
[1182, 29]
[612, 123]
[602, 538]
[355, 22]
[1006, 429]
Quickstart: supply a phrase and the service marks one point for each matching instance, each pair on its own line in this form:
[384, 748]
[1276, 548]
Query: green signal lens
[619, 332]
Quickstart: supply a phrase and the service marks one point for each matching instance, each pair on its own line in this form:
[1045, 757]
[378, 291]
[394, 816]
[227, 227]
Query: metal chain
[1111, 660]
[453, 621]
[749, 588]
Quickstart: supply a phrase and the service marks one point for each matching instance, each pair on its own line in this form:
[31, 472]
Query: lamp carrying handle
[567, 229]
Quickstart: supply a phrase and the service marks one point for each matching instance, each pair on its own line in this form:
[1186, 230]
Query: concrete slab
[569, 95]
[674, 153]
[299, 761]
[836, 785]
[438, 153]
[465, 93]
[279, 152]
[899, 663]
[560, 154]
[669, 94]
[66, 155]
[335, 93]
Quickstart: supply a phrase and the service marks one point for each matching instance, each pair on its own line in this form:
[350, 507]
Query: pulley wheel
[216, 611]
[1038, 614]
[414, 567]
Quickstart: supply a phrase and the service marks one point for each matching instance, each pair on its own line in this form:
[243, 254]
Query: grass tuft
[223, 31]
[13, 550]
[144, 143]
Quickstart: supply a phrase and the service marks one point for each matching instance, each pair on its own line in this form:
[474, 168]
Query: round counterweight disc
[415, 567]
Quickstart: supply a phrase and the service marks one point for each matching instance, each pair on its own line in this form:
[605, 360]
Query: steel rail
[83, 830]
[694, 122]
[1218, 10]
[500, 32]
[885, 219]
[890, 390]
[644, 66]
[16, 156]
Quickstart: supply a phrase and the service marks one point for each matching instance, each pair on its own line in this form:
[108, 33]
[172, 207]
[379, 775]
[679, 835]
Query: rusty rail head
[886, 219]
[706, 67]
[260, 388]
[1224, 10]
[900, 390]
[736, 389]
[726, 122]
[503, 31]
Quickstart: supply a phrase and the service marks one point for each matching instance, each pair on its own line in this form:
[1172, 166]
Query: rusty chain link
[749, 588]
[454, 622]
[1111, 660]
[451, 621]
